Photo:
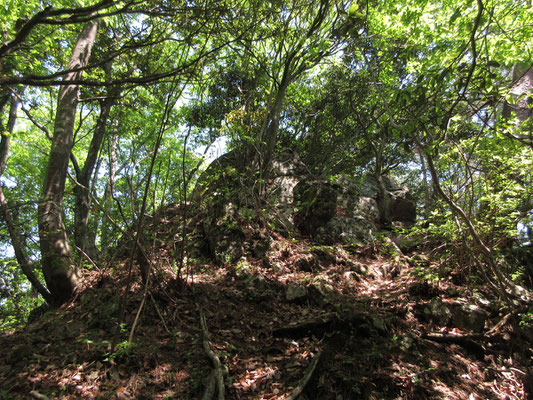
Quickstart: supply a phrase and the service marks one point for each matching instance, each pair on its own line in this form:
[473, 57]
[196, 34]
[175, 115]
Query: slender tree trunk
[84, 236]
[269, 135]
[384, 199]
[58, 268]
[109, 190]
[425, 182]
[16, 241]
[506, 284]
[520, 91]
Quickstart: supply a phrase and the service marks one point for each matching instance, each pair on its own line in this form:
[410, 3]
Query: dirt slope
[362, 316]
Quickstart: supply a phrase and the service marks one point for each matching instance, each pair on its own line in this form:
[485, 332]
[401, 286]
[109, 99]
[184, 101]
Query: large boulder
[345, 229]
[330, 214]
[402, 206]
[287, 172]
[348, 211]
[316, 205]
[223, 233]
[457, 313]
[339, 210]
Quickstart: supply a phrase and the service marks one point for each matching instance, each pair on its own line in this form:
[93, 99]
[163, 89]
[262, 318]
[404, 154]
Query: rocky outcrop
[457, 313]
[339, 210]
[343, 211]
[315, 204]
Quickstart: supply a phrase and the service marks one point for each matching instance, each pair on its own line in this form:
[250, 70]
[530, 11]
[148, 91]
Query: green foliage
[526, 320]
[17, 298]
[413, 79]
[122, 350]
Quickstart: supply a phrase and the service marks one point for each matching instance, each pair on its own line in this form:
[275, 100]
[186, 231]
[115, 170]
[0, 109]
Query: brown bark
[522, 86]
[521, 91]
[58, 269]
[84, 237]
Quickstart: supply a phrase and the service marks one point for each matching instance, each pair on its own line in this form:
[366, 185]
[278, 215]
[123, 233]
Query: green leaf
[353, 9]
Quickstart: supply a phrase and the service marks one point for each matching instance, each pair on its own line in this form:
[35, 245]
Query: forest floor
[361, 316]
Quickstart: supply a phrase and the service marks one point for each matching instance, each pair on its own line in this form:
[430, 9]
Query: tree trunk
[84, 237]
[520, 91]
[269, 135]
[109, 189]
[522, 85]
[58, 269]
[384, 199]
[505, 283]
[425, 182]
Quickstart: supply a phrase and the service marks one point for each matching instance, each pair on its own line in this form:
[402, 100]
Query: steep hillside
[331, 322]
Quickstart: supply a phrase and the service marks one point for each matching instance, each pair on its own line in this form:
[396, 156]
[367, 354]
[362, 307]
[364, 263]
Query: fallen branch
[303, 329]
[469, 341]
[217, 371]
[36, 395]
[297, 391]
[496, 328]
[453, 338]
[318, 327]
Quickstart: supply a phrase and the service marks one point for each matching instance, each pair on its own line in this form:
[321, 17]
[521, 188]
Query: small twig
[297, 391]
[159, 313]
[146, 287]
[84, 254]
[217, 371]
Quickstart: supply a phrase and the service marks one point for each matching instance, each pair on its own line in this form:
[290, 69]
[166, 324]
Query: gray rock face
[343, 210]
[346, 229]
[316, 205]
[459, 314]
[438, 311]
[468, 317]
[224, 236]
[321, 292]
[367, 207]
[225, 222]
[295, 293]
[403, 208]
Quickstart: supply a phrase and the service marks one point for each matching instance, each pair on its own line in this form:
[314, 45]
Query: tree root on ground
[297, 391]
[454, 338]
[209, 387]
[216, 378]
[360, 322]
[303, 329]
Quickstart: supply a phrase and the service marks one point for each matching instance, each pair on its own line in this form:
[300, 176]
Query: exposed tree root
[303, 329]
[297, 391]
[454, 338]
[318, 327]
[209, 387]
[36, 395]
[218, 374]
